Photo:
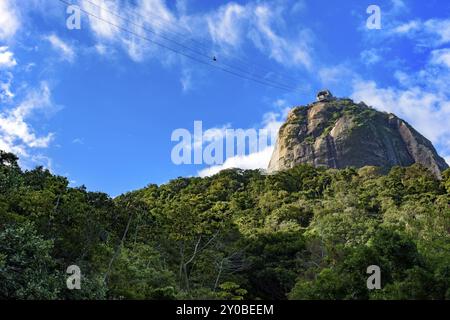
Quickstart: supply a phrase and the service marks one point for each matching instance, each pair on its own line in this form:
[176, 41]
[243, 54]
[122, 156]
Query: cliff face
[338, 133]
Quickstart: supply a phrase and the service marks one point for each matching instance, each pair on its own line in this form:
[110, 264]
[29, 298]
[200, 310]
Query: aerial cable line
[264, 82]
[180, 52]
[207, 56]
[201, 44]
[161, 24]
[214, 65]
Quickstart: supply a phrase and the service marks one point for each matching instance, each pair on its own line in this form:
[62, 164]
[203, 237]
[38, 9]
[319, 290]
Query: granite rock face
[339, 133]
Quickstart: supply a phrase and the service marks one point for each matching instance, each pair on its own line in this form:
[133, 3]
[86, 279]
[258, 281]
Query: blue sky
[99, 104]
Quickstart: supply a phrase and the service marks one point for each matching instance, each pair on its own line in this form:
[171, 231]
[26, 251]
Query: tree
[446, 180]
[231, 291]
[139, 273]
[273, 261]
[27, 270]
[304, 233]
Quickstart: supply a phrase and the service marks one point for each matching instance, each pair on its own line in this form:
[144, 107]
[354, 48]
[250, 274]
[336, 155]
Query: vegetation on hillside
[306, 233]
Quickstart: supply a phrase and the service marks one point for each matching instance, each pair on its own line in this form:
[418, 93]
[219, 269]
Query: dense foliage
[307, 233]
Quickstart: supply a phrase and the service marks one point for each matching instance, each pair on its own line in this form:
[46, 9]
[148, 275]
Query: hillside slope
[303, 233]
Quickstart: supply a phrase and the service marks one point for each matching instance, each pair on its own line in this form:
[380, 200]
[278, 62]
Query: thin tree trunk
[218, 275]
[116, 253]
[181, 263]
[186, 277]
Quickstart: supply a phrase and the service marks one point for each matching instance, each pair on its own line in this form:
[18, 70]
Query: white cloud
[225, 26]
[16, 134]
[182, 6]
[439, 27]
[101, 49]
[370, 57]
[398, 5]
[156, 14]
[78, 141]
[145, 19]
[441, 57]
[298, 6]
[186, 80]
[408, 27]
[291, 52]
[429, 33]
[6, 58]
[6, 94]
[230, 24]
[258, 160]
[105, 10]
[335, 75]
[67, 52]
[9, 19]
[5, 91]
[105, 50]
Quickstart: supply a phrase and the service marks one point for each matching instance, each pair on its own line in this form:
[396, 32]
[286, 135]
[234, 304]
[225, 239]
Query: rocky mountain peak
[339, 133]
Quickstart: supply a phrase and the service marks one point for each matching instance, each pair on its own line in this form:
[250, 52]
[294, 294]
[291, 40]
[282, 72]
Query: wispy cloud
[16, 133]
[79, 141]
[6, 94]
[224, 28]
[257, 160]
[291, 52]
[407, 27]
[333, 75]
[9, 19]
[370, 56]
[22, 103]
[226, 24]
[186, 80]
[105, 10]
[428, 33]
[441, 57]
[110, 18]
[6, 58]
[232, 24]
[66, 51]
